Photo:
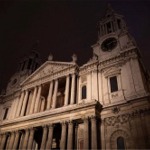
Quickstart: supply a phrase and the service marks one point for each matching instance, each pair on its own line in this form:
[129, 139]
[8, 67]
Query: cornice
[89, 67]
[70, 112]
[118, 60]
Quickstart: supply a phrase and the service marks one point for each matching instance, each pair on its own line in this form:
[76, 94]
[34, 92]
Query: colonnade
[24, 139]
[34, 105]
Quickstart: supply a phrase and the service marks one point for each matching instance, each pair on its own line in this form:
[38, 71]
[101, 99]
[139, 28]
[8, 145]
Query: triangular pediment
[112, 71]
[47, 69]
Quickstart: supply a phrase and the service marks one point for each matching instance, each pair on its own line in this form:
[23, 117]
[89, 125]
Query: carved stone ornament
[111, 121]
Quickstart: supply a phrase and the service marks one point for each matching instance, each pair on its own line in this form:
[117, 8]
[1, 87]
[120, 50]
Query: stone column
[73, 89]
[37, 99]
[67, 90]
[17, 134]
[42, 104]
[86, 133]
[33, 101]
[55, 94]
[94, 133]
[20, 103]
[31, 137]
[24, 103]
[50, 137]
[3, 140]
[21, 140]
[70, 136]
[1, 136]
[49, 98]
[44, 137]
[8, 140]
[11, 142]
[25, 140]
[63, 136]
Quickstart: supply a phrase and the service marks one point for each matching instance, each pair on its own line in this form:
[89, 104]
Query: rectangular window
[113, 84]
[5, 114]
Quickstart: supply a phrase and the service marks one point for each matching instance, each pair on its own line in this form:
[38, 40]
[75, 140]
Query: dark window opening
[119, 23]
[29, 64]
[5, 114]
[84, 92]
[61, 93]
[109, 30]
[113, 84]
[120, 143]
[23, 66]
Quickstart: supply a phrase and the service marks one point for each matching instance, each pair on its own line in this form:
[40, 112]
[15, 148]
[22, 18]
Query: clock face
[109, 44]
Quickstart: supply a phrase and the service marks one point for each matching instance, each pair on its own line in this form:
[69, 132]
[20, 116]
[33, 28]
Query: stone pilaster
[93, 132]
[25, 140]
[24, 103]
[37, 99]
[73, 89]
[86, 133]
[16, 140]
[31, 137]
[70, 135]
[20, 104]
[50, 137]
[63, 136]
[55, 94]
[44, 137]
[33, 101]
[49, 98]
[67, 90]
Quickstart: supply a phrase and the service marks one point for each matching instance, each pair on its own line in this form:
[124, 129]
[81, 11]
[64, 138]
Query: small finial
[74, 57]
[109, 9]
[50, 57]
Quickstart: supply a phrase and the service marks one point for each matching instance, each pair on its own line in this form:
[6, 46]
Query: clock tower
[123, 84]
[113, 36]
[120, 65]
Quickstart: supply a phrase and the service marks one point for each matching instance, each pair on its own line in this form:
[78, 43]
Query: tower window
[6, 113]
[120, 143]
[119, 23]
[29, 63]
[84, 92]
[113, 84]
[109, 30]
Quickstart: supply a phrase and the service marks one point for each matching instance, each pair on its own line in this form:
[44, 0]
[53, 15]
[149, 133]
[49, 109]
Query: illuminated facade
[103, 104]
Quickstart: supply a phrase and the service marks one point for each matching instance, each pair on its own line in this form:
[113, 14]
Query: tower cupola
[111, 23]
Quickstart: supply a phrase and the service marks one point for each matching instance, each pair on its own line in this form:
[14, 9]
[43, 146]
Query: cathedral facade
[103, 104]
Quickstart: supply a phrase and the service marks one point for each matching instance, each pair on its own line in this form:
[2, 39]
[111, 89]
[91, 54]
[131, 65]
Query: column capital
[93, 117]
[44, 125]
[50, 125]
[70, 122]
[63, 123]
[85, 118]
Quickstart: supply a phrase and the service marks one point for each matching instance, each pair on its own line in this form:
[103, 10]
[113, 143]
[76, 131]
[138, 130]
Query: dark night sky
[63, 28]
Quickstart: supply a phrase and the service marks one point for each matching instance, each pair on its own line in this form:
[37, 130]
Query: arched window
[84, 92]
[120, 143]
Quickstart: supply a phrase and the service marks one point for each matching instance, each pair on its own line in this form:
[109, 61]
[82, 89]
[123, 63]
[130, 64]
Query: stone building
[103, 104]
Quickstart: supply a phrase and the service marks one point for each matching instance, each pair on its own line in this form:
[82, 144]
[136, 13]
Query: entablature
[71, 112]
